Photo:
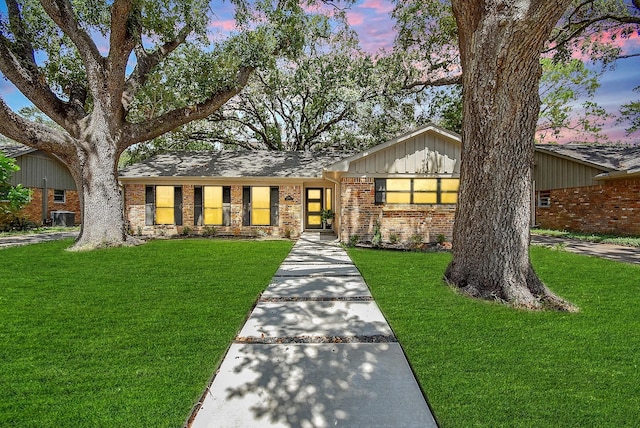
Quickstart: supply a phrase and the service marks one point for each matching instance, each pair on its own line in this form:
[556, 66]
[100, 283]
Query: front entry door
[314, 202]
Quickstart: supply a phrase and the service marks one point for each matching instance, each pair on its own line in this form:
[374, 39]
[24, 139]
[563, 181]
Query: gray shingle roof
[612, 157]
[13, 150]
[259, 163]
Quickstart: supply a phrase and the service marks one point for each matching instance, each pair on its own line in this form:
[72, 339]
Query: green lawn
[484, 364]
[124, 337]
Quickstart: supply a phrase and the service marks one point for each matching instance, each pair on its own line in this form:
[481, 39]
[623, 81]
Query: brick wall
[33, 211]
[360, 215]
[290, 214]
[613, 207]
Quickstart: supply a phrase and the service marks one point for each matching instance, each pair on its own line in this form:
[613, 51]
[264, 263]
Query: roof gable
[427, 150]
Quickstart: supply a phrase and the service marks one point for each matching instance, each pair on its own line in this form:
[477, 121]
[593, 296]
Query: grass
[125, 337]
[486, 365]
[627, 241]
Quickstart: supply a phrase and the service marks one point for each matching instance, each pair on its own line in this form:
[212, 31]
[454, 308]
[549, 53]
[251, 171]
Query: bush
[353, 240]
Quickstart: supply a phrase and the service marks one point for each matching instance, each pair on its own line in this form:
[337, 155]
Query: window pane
[213, 197]
[314, 194]
[164, 215]
[398, 198]
[328, 204]
[398, 184]
[450, 184]
[314, 207]
[260, 217]
[164, 196]
[425, 185]
[260, 198]
[449, 198]
[425, 198]
[213, 216]
[315, 220]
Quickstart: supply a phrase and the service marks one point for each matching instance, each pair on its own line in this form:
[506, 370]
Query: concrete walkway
[35, 238]
[618, 253]
[315, 352]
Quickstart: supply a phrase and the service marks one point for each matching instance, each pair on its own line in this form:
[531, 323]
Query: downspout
[45, 200]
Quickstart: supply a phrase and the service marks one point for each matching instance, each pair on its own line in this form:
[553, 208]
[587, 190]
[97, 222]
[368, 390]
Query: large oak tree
[88, 64]
[500, 45]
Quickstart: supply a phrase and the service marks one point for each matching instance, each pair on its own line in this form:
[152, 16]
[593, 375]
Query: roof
[610, 157]
[256, 163]
[14, 150]
[343, 165]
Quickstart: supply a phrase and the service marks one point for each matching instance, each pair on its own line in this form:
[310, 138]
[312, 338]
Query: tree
[12, 198]
[427, 56]
[500, 46]
[630, 113]
[51, 51]
[333, 93]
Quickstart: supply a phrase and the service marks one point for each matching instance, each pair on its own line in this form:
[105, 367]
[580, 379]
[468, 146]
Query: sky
[371, 19]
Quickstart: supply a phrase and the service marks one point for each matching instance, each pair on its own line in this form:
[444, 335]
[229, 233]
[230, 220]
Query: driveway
[607, 251]
[35, 238]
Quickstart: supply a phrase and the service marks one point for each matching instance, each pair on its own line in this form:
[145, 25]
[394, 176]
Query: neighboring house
[588, 188]
[407, 187]
[46, 175]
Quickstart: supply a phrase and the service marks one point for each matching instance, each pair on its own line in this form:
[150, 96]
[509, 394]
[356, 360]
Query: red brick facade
[33, 211]
[613, 207]
[360, 214]
[290, 214]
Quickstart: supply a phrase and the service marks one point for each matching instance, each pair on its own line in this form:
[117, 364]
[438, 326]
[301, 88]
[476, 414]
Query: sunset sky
[371, 19]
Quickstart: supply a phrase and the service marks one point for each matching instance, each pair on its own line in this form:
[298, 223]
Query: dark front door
[314, 204]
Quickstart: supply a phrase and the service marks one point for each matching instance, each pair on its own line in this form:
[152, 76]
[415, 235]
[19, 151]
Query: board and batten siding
[38, 165]
[427, 153]
[553, 172]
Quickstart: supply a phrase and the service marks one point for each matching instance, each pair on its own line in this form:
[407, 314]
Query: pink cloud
[225, 25]
[380, 6]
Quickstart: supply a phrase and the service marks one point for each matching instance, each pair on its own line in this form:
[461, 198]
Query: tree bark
[500, 45]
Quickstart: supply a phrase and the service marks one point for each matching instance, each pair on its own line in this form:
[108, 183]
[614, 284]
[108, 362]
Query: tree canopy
[96, 69]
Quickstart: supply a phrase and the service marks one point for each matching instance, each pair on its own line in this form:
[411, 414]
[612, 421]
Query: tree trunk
[100, 198]
[500, 44]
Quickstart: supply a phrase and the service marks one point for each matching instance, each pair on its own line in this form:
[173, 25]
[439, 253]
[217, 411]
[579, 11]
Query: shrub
[353, 240]
[393, 238]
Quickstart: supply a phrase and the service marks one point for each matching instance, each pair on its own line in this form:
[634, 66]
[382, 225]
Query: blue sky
[371, 19]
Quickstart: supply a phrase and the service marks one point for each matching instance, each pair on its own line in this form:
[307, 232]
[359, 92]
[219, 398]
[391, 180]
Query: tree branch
[32, 83]
[147, 62]
[150, 129]
[444, 81]
[33, 134]
[61, 11]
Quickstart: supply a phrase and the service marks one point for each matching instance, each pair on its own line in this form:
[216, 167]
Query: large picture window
[260, 205]
[163, 205]
[416, 190]
[212, 205]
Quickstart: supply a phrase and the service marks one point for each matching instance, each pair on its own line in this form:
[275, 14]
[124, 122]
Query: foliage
[562, 85]
[97, 69]
[131, 341]
[12, 198]
[630, 113]
[485, 363]
[353, 240]
[377, 235]
[627, 241]
[426, 54]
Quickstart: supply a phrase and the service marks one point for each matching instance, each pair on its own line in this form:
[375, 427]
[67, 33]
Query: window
[212, 205]
[59, 196]
[544, 198]
[163, 205]
[416, 190]
[260, 206]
